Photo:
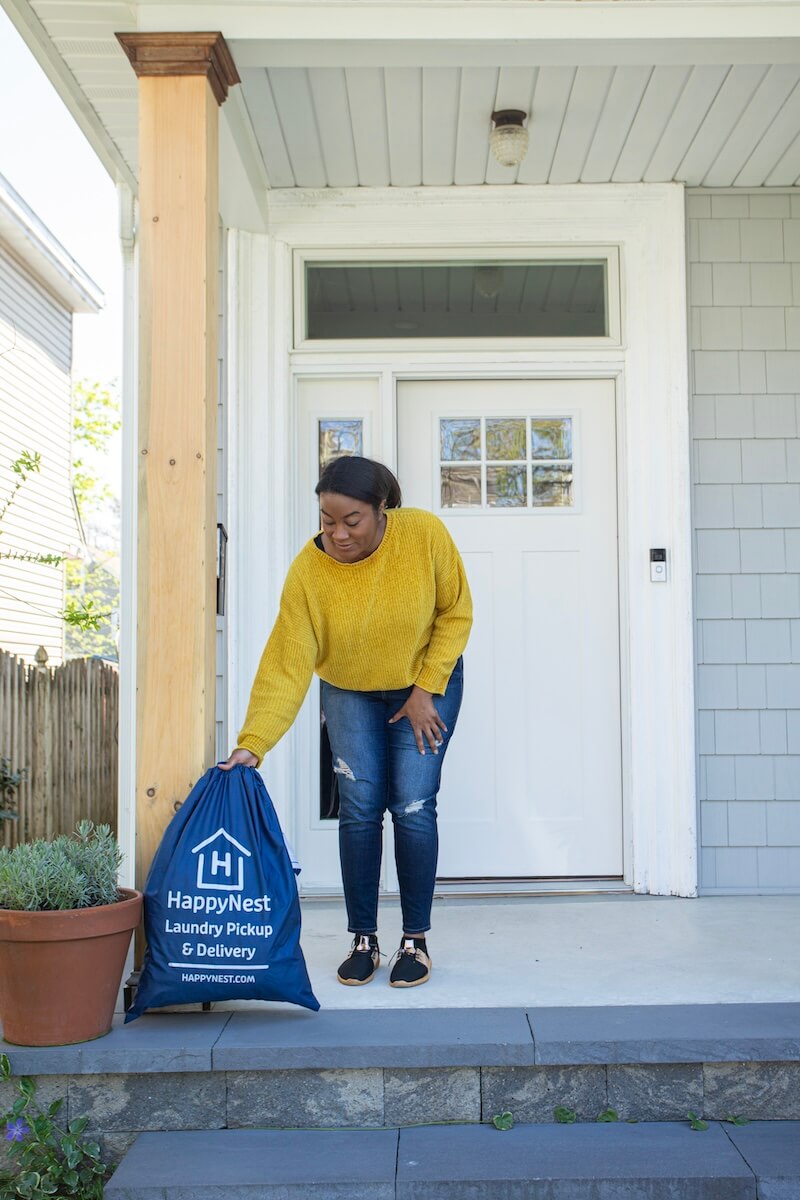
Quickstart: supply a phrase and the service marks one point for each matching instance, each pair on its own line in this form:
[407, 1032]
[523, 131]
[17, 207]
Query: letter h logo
[221, 873]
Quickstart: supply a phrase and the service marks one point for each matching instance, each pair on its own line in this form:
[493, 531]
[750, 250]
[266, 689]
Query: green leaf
[737, 1120]
[92, 1149]
[80, 616]
[27, 1087]
[28, 1184]
[42, 1126]
[71, 1179]
[608, 1114]
[503, 1120]
[55, 1107]
[5, 1067]
[695, 1122]
[564, 1115]
[78, 1125]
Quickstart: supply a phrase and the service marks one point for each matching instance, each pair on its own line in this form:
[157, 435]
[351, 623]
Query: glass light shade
[509, 144]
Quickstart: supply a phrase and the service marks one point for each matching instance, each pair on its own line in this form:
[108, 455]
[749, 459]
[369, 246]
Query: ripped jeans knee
[419, 812]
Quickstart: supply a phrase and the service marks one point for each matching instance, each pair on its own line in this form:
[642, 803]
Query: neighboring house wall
[35, 415]
[744, 298]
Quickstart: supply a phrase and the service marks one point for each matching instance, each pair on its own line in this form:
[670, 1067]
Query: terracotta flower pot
[60, 972]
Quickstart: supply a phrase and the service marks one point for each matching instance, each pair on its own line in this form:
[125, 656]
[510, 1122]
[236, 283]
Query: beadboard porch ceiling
[331, 111]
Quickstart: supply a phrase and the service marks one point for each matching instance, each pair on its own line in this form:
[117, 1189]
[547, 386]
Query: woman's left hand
[421, 713]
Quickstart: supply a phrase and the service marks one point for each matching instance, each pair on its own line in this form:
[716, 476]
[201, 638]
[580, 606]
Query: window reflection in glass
[506, 487]
[551, 437]
[461, 487]
[339, 437]
[551, 487]
[505, 438]
[457, 299]
[460, 439]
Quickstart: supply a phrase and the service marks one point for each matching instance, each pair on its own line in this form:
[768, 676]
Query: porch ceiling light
[509, 138]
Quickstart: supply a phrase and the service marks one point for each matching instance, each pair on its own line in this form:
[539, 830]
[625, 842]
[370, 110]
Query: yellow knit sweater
[399, 617]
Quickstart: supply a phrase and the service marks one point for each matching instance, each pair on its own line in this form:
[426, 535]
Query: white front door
[523, 473]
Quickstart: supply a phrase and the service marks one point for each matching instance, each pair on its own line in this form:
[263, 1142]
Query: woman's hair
[363, 479]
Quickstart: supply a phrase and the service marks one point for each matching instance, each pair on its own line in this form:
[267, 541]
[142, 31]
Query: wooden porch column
[183, 79]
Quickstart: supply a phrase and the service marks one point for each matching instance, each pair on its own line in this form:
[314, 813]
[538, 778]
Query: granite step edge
[430, 1162]
[284, 1039]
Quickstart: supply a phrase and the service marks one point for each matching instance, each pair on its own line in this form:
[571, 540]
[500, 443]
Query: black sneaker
[363, 961]
[412, 965]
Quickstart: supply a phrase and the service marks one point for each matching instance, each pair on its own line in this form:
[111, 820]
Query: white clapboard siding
[35, 415]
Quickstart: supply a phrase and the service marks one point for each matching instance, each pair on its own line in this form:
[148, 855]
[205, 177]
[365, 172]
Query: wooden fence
[61, 726]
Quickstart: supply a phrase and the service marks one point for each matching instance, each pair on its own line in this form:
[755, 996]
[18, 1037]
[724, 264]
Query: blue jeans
[378, 766]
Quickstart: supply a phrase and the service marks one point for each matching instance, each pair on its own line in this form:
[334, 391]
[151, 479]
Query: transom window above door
[376, 301]
[506, 462]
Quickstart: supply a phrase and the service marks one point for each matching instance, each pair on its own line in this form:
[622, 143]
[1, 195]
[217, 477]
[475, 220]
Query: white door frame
[650, 365]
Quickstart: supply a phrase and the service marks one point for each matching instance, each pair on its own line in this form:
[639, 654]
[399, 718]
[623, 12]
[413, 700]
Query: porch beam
[297, 51]
[182, 82]
[483, 21]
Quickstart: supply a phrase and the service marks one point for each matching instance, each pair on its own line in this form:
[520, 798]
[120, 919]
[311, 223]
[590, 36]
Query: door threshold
[528, 887]
[497, 889]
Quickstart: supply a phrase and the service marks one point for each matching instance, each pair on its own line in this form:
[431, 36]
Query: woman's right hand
[244, 757]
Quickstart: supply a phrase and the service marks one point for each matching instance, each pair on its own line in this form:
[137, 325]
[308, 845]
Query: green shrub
[68, 872]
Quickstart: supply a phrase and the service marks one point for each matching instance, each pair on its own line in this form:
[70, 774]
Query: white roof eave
[33, 243]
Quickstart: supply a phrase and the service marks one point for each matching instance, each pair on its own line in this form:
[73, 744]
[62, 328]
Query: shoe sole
[359, 982]
[405, 983]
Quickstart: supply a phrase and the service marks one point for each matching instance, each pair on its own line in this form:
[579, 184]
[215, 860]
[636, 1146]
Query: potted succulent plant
[65, 929]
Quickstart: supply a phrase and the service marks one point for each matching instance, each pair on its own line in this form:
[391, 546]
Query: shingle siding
[744, 322]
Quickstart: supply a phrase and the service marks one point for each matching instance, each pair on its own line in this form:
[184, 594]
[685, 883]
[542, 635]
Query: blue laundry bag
[221, 910]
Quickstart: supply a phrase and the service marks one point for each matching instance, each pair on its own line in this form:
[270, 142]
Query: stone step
[648, 1161]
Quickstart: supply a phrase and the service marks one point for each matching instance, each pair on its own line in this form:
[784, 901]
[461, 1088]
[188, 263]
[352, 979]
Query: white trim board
[646, 222]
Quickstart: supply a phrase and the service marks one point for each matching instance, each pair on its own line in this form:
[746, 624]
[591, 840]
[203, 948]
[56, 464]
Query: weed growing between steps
[51, 1161]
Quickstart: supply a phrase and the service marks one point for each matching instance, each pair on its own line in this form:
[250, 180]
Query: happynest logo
[220, 891]
[218, 867]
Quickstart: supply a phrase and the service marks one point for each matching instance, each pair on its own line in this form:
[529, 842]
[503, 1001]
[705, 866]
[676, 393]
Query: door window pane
[505, 438]
[461, 487]
[545, 299]
[339, 437]
[506, 462]
[460, 440]
[551, 438]
[551, 486]
[506, 487]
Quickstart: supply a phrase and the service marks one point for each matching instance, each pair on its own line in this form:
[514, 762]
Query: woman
[378, 605]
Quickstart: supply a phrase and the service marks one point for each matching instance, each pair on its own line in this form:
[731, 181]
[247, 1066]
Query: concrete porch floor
[573, 951]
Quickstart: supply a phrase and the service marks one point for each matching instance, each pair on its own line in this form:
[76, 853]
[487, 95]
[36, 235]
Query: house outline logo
[224, 865]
